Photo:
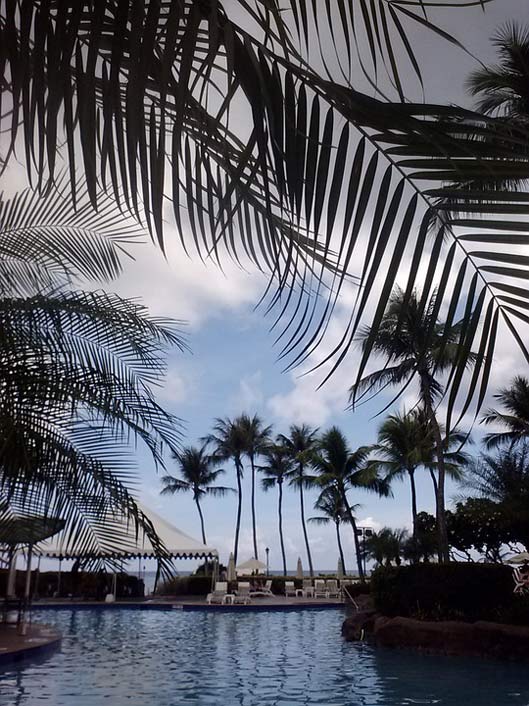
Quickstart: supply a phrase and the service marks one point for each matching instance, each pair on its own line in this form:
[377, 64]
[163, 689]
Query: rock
[481, 639]
[355, 627]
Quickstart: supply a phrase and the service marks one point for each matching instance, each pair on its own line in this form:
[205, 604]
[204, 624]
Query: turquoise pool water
[148, 658]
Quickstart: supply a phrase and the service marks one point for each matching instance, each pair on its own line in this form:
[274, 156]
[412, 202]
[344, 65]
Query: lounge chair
[265, 590]
[320, 589]
[243, 593]
[308, 588]
[332, 589]
[219, 594]
[290, 589]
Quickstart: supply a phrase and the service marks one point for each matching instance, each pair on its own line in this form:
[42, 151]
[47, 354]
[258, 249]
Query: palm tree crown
[515, 417]
[199, 472]
[503, 89]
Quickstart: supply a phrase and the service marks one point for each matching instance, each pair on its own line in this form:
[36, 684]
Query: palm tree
[301, 444]
[341, 468]
[399, 452]
[277, 469]
[257, 437]
[405, 443]
[515, 417]
[331, 504]
[387, 546]
[504, 479]
[76, 370]
[502, 89]
[229, 442]
[198, 471]
[415, 345]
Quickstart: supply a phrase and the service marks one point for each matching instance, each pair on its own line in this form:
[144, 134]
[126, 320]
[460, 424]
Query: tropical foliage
[76, 372]
[318, 130]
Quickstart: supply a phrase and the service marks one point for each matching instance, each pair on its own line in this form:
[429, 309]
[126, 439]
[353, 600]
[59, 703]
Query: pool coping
[190, 606]
[39, 640]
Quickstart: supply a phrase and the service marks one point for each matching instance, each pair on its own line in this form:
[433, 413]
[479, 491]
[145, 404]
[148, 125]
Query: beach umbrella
[521, 558]
[299, 569]
[340, 572]
[232, 575]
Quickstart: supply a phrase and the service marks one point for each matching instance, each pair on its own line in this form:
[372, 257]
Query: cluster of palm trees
[307, 459]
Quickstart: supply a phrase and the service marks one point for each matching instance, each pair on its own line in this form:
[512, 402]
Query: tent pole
[37, 579]
[12, 574]
[59, 578]
[27, 589]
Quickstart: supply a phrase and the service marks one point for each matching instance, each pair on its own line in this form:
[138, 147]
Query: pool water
[151, 658]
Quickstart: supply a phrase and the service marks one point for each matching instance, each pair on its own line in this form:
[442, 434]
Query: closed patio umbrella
[232, 574]
[299, 569]
[340, 573]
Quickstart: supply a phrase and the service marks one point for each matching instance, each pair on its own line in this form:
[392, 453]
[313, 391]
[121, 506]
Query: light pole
[267, 550]
[364, 532]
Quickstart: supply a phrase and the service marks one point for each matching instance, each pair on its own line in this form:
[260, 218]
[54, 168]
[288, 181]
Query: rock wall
[481, 639]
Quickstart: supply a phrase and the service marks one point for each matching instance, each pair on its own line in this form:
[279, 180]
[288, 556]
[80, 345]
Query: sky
[233, 367]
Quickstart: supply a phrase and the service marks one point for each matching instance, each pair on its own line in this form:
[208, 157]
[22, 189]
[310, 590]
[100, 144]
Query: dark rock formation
[360, 623]
[481, 639]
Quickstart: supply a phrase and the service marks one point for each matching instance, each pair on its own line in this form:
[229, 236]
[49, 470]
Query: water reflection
[292, 658]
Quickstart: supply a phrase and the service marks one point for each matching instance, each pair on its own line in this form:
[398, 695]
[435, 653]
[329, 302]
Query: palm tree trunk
[197, 501]
[340, 548]
[303, 524]
[281, 540]
[239, 510]
[358, 550]
[411, 473]
[442, 534]
[254, 529]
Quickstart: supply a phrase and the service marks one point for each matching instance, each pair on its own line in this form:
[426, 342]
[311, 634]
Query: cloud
[249, 395]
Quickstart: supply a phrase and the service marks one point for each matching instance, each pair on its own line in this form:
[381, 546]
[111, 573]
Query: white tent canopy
[178, 544]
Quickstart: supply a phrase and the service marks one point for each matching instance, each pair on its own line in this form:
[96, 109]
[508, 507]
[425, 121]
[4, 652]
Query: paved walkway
[38, 638]
[195, 603]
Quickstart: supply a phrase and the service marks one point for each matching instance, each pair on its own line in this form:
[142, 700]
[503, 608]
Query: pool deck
[38, 640]
[195, 603]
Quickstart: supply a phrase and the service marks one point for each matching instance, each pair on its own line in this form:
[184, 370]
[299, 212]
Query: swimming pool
[151, 658]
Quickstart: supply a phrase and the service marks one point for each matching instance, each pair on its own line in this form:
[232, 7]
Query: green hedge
[463, 591]
[78, 584]
[186, 586]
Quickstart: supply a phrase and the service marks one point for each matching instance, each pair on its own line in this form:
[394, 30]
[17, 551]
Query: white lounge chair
[243, 593]
[265, 590]
[290, 589]
[320, 589]
[332, 589]
[219, 594]
[308, 588]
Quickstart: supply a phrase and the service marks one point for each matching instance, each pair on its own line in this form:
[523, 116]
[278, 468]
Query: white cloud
[249, 395]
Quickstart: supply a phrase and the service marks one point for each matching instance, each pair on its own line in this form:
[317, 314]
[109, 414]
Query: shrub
[463, 591]
[186, 586]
